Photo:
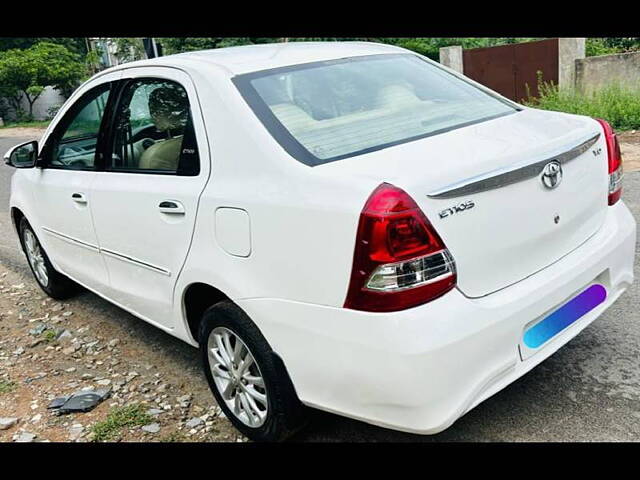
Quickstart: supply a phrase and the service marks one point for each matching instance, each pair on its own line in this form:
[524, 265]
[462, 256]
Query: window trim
[105, 166]
[63, 124]
[295, 149]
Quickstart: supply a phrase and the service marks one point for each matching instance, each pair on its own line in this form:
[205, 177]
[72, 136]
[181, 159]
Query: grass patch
[35, 124]
[49, 335]
[620, 106]
[7, 386]
[119, 418]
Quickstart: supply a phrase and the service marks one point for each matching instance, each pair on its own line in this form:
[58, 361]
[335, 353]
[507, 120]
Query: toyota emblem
[552, 174]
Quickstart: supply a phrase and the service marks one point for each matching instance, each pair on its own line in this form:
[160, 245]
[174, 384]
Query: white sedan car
[345, 226]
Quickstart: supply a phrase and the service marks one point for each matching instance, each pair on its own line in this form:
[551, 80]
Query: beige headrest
[169, 107]
[396, 96]
[292, 116]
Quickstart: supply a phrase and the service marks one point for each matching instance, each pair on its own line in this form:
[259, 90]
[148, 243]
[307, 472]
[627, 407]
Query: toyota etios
[345, 226]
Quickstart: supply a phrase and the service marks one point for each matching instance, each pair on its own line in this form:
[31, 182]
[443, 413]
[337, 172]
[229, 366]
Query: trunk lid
[502, 224]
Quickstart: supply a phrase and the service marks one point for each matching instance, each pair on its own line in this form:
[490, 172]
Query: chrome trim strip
[72, 240]
[134, 261]
[506, 176]
[110, 253]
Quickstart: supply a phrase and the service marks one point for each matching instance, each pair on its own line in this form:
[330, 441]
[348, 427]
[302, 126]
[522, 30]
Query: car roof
[250, 58]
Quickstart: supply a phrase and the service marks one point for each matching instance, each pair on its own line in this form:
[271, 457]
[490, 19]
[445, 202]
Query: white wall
[49, 98]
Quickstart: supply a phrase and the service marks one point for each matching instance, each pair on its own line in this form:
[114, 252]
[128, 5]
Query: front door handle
[79, 198]
[171, 206]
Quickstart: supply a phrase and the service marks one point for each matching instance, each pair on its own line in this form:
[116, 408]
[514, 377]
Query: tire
[52, 282]
[283, 415]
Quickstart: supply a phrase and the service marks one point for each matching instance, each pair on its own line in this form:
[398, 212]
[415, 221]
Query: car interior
[150, 127]
[337, 109]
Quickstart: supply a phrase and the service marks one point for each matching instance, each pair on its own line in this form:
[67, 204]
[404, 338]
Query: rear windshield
[326, 111]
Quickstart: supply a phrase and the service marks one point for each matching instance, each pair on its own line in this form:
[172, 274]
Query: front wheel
[54, 284]
[247, 379]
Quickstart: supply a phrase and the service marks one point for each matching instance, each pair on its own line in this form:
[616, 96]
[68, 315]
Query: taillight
[615, 162]
[399, 260]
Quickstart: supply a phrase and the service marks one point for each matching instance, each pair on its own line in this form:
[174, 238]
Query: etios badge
[552, 174]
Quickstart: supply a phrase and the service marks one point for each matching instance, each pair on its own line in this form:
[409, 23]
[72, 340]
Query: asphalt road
[588, 391]
[9, 248]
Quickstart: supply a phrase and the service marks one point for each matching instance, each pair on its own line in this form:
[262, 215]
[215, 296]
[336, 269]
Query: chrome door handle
[171, 206]
[79, 198]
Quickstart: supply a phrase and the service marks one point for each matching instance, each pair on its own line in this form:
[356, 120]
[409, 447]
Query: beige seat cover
[396, 96]
[169, 109]
[163, 155]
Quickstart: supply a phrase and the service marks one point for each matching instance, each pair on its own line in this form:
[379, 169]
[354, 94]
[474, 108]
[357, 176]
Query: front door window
[75, 140]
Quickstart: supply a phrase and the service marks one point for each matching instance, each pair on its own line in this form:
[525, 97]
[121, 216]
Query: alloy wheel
[237, 377]
[35, 257]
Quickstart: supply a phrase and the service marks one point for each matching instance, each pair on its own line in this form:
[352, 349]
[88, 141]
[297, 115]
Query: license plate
[547, 328]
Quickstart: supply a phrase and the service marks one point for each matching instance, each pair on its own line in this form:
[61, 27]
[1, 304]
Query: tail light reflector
[615, 162]
[399, 260]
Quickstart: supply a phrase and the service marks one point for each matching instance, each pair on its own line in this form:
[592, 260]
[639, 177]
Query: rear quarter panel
[302, 221]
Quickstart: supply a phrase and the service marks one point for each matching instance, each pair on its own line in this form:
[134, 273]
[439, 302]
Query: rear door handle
[171, 206]
[79, 198]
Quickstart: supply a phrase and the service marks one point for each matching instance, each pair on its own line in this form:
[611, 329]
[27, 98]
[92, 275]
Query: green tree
[598, 46]
[428, 46]
[189, 44]
[27, 72]
[129, 49]
[76, 45]
[626, 44]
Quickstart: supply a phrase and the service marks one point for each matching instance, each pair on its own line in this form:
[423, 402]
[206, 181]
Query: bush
[597, 46]
[51, 111]
[618, 105]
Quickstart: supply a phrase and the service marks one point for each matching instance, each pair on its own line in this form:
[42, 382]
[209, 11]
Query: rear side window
[326, 111]
[153, 129]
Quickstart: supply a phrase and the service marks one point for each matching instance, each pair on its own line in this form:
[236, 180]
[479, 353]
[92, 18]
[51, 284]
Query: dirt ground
[22, 132]
[35, 368]
[630, 148]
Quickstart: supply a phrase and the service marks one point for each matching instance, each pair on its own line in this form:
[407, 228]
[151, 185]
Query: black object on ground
[83, 401]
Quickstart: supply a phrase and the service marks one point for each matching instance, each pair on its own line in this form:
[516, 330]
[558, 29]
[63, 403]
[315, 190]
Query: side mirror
[23, 155]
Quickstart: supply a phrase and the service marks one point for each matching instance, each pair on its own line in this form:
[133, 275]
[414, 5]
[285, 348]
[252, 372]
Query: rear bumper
[420, 369]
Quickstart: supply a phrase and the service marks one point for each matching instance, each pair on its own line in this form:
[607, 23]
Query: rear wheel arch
[288, 414]
[196, 299]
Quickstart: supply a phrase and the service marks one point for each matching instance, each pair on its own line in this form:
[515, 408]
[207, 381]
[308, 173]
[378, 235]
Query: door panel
[67, 229]
[144, 212]
[63, 186]
[144, 248]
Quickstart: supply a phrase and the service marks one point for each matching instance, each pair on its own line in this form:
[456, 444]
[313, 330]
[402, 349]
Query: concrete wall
[452, 57]
[593, 73]
[569, 50]
[49, 98]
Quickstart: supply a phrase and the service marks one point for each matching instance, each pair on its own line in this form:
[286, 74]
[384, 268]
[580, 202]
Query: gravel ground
[587, 391]
[50, 349]
[630, 148]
